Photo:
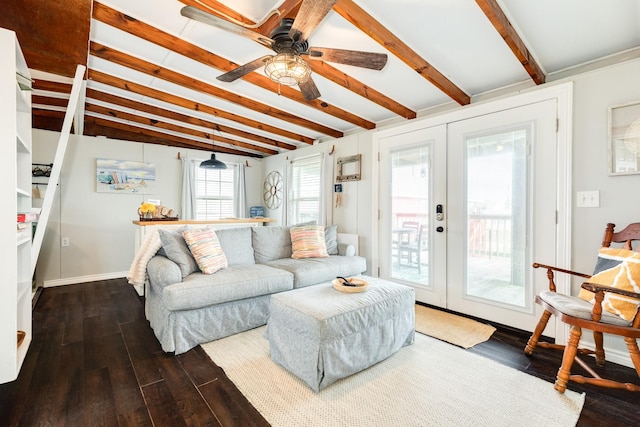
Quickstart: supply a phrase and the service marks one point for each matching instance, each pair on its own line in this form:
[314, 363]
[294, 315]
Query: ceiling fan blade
[372, 60]
[309, 89]
[243, 70]
[309, 16]
[209, 19]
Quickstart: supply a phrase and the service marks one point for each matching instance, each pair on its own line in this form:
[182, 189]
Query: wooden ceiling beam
[221, 10]
[131, 132]
[47, 119]
[48, 100]
[147, 32]
[332, 73]
[121, 58]
[374, 29]
[158, 111]
[51, 86]
[109, 80]
[286, 9]
[122, 115]
[499, 20]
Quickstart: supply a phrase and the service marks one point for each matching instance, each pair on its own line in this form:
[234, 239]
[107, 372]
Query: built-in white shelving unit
[15, 193]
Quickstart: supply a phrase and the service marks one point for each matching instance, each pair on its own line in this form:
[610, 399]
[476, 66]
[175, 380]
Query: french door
[412, 226]
[485, 190]
[502, 212]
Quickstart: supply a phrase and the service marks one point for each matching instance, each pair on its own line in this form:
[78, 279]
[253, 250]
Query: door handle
[440, 229]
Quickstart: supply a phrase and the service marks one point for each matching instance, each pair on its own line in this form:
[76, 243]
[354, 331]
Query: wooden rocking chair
[582, 314]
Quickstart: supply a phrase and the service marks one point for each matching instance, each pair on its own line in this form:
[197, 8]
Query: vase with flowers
[146, 211]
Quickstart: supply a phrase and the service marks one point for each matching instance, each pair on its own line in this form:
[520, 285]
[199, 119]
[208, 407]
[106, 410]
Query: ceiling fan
[290, 42]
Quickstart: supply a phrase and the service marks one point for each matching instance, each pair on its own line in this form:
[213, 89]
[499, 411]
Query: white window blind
[214, 192]
[304, 192]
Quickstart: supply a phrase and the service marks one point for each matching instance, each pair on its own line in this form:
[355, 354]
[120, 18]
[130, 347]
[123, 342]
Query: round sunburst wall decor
[272, 190]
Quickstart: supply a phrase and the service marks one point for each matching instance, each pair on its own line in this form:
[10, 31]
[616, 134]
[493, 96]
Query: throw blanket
[138, 270]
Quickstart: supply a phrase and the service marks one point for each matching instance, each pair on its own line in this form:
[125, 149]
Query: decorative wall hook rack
[348, 173]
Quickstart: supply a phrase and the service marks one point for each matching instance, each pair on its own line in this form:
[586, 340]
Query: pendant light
[212, 163]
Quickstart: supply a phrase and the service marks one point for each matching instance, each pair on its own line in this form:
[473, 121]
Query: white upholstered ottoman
[321, 334]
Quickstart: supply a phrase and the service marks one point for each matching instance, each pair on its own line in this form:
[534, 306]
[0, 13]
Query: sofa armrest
[346, 249]
[163, 272]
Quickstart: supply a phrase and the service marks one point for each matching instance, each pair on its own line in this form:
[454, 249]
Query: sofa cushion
[271, 243]
[310, 271]
[176, 249]
[237, 245]
[230, 284]
[205, 248]
[308, 242]
[331, 239]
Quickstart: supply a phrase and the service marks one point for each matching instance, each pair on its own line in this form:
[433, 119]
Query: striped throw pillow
[618, 268]
[308, 242]
[205, 248]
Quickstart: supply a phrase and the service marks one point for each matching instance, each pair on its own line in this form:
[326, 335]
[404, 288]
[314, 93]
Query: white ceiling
[454, 36]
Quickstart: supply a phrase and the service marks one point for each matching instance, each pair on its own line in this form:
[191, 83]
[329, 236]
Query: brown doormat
[453, 329]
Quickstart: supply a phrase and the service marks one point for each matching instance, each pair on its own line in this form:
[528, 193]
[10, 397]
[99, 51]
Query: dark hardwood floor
[94, 361]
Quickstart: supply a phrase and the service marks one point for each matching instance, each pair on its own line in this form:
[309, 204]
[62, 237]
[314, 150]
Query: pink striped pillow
[308, 242]
[205, 248]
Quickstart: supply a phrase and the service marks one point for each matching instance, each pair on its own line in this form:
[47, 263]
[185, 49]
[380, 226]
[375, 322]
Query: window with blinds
[304, 192]
[214, 192]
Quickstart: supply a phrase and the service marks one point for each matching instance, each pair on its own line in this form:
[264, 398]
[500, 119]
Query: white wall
[99, 225]
[355, 214]
[594, 93]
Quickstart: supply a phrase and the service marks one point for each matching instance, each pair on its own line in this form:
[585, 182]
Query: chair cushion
[577, 307]
[618, 268]
[308, 242]
[205, 248]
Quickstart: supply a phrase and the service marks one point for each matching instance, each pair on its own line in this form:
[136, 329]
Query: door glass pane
[496, 207]
[410, 201]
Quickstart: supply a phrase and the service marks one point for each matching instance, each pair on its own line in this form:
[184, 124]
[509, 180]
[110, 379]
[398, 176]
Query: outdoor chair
[414, 247]
[614, 287]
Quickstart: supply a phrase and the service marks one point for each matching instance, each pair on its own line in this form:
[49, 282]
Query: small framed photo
[624, 139]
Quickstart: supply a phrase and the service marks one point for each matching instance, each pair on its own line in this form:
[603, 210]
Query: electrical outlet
[64, 242]
[588, 199]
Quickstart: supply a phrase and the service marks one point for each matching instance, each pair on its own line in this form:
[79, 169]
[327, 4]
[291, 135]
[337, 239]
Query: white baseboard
[620, 357]
[83, 279]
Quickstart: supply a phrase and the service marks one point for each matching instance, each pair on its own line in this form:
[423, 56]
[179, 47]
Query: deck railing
[489, 236]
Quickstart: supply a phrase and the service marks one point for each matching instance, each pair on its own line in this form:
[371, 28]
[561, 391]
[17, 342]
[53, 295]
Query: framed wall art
[624, 139]
[125, 177]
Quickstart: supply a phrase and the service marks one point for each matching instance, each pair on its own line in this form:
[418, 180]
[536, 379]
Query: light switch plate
[588, 199]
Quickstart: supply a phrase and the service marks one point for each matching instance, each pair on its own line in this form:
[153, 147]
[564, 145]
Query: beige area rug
[429, 383]
[453, 329]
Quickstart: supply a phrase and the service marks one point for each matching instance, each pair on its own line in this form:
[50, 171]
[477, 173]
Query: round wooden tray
[361, 285]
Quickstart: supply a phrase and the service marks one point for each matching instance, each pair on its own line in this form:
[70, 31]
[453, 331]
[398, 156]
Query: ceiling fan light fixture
[212, 163]
[287, 69]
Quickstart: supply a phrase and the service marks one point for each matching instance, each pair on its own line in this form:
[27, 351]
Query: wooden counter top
[216, 221]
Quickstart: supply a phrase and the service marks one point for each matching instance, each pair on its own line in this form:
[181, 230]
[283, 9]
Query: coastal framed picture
[624, 139]
[125, 177]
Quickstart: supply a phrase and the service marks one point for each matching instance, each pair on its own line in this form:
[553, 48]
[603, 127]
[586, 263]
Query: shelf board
[23, 99]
